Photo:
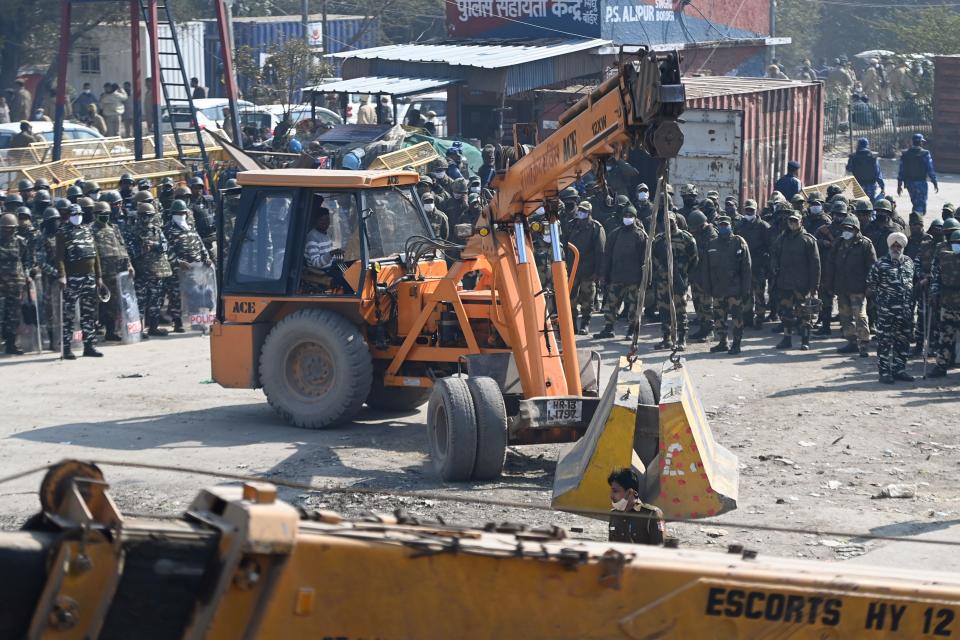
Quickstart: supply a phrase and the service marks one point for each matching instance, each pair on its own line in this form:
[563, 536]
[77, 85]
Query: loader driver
[646, 526]
[319, 250]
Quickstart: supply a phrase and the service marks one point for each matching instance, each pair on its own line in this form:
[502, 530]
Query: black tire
[315, 369]
[395, 398]
[491, 427]
[653, 377]
[452, 428]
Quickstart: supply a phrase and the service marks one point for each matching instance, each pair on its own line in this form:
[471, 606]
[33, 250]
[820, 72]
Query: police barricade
[198, 296]
[131, 326]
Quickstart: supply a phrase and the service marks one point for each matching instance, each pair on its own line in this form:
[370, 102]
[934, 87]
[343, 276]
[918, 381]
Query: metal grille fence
[887, 125]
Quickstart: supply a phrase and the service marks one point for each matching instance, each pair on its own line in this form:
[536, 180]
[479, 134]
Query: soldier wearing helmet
[86, 207]
[184, 248]
[91, 190]
[152, 266]
[14, 266]
[73, 193]
[12, 202]
[622, 271]
[40, 202]
[685, 259]
[588, 236]
[114, 259]
[703, 232]
[45, 251]
[945, 297]
[78, 266]
[204, 216]
[756, 233]
[126, 187]
[231, 207]
[27, 231]
[845, 274]
[27, 190]
[795, 276]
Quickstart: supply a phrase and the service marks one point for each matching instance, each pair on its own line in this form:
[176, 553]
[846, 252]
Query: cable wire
[443, 497]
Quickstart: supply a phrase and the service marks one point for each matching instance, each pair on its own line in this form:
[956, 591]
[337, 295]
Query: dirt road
[817, 436]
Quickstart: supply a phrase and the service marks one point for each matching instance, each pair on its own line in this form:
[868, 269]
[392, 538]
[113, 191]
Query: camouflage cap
[428, 197]
[713, 194]
[722, 220]
[798, 198]
[948, 206]
[473, 198]
[585, 206]
[426, 180]
[643, 187]
[793, 214]
[460, 185]
[688, 190]
[750, 204]
[833, 190]
[776, 196]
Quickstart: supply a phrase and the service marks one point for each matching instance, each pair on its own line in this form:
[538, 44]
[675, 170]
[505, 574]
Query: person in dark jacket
[789, 184]
[622, 271]
[587, 235]
[685, 259]
[757, 234]
[827, 237]
[846, 269]
[795, 265]
[864, 165]
[646, 525]
[728, 283]
[916, 167]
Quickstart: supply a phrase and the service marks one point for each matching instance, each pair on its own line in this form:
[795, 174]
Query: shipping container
[103, 54]
[946, 114]
[739, 134]
[259, 33]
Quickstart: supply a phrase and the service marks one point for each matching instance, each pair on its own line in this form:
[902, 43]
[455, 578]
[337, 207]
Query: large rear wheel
[315, 368]
[491, 427]
[452, 428]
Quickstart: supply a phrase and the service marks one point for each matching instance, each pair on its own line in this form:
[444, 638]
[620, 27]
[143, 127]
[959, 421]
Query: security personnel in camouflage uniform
[28, 232]
[795, 273]
[728, 282]
[231, 209]
[46, 253]
[126, 187]
[685, 259]
[703, 232]
[589, 238]
[152, 266]
[73, 193]
[688, 193]
[40, 202]
[79, 268]
[184, 247]
[922, 265]
[113, 260]
[882, 226]
[891, 283]
[845, 272]
[622, 271]
[14, 265]
[827, 237]
[945, 294]
[456, 205]
[204, 216]
[166, 193]
[86, 209]
[438, 221]
[757, 234]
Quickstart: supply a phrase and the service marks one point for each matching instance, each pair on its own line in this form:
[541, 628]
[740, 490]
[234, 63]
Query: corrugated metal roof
[380, 84]
[316, 17]
[711, 86]
[484, 56]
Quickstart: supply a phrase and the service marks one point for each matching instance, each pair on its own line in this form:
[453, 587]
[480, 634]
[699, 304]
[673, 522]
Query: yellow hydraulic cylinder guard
[692, 476]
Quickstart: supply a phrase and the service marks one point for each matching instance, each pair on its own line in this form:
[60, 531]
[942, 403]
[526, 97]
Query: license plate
[564, 411]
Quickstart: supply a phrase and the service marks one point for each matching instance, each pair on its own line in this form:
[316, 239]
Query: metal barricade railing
[888, 125]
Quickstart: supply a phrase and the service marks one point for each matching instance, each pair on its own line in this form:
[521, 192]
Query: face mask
[816, 209]
[956, 247]
[847, 235]
[628, 221]
[438, 174]
[643, 196]
[620, 505]
[749, 217]
[76, 220]
[793, 226]
[474, 189]
[180, 221]
[429, 207]
[546, 238]
[103, 219]
[724, 232]
[581, 214]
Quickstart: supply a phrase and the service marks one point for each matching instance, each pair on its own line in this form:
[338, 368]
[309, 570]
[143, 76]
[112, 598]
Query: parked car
[436, 102]
[44, 129]
[269, 116]
[209, 113]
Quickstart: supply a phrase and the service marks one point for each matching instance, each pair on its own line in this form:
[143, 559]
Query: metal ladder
[177, 107]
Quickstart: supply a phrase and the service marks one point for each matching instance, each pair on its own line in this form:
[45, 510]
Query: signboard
[523, 18]
[315, 35]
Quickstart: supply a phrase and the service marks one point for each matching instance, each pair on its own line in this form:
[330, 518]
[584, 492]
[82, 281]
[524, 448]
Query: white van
[209, 113]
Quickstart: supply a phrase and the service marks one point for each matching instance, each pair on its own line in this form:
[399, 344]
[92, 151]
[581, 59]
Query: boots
[664, 344]
[156, 331]
[606, 333]
[937, 372]
[632, 331]
[758, 321]
[703, 333]
[777, 329]
[824, 328]
[178, 325]
[89, 351]
[12, 349]
[111, 331]
[862, 348]
[748, 320]
[584, 326]
[68, 354]
[787, 341]
[735, 347]
[682, 340]
[850, 347]
[720, 347]
[53, 341]
[805, 339]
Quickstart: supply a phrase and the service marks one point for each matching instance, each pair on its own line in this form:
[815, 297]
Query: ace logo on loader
[242, 306]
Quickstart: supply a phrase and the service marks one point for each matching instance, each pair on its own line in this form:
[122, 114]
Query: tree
[927, 30]
[290, 65]
[800, 20]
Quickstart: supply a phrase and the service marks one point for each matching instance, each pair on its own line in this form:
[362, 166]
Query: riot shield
[28, 334]
[129, 323]
[198, 296]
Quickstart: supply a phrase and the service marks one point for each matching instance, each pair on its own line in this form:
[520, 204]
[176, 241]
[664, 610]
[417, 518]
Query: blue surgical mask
[643, 196]
[724, 232]
[581, 214]
[847, 235]
[956, 247]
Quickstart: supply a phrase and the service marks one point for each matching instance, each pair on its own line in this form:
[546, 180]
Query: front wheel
[315, 369]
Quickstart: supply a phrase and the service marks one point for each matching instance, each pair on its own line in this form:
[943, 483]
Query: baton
[36, 312]
[60, 291]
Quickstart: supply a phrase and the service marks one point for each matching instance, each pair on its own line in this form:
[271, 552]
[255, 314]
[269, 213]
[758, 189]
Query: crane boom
[638, 106]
